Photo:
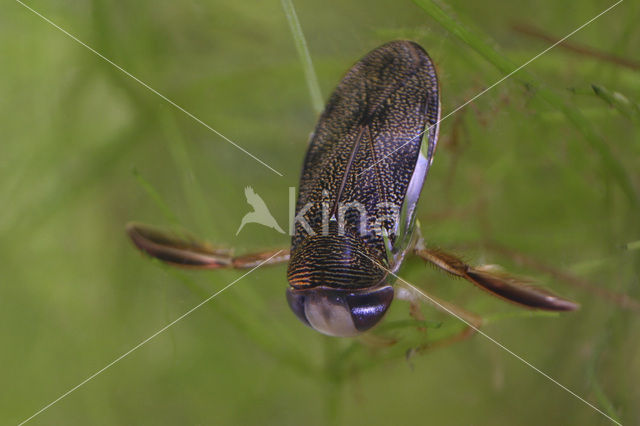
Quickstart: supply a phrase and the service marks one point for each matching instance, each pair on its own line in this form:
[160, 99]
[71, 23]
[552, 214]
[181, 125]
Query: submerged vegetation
[540, 174]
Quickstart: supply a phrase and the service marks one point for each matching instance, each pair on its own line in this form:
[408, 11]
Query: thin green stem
[156, 197]
[305, 58]
[190, 184]
[480, 44]
[333, 381]
[258, 332]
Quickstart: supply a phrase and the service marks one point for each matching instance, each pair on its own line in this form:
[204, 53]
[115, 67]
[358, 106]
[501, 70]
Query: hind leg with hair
[495, 281]
[187, 252]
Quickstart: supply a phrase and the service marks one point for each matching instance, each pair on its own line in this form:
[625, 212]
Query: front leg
[188, 252]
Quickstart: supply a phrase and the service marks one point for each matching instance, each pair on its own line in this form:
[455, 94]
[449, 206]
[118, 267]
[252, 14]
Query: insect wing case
[366, 148]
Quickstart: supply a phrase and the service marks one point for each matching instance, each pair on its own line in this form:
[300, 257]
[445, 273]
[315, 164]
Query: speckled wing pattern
[367, 142]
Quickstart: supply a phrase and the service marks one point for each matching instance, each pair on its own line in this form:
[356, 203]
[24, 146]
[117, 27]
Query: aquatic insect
[356, 211]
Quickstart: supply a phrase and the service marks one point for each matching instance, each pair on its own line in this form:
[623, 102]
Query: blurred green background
[540, 174]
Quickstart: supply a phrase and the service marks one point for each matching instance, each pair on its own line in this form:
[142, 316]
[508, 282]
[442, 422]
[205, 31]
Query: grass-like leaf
[620, 102]
[480, 44]
[305, 57]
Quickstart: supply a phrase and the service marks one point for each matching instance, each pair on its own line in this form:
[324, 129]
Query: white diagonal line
[500, 345]
[145, 85]
[494, 84]
[145, 340]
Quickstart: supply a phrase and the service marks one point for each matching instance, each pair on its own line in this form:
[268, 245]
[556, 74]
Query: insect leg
[495, 281]
[188, 252]
[416, 297]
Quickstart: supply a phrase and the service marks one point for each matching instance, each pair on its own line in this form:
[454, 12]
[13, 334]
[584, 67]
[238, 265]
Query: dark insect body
[361, 180]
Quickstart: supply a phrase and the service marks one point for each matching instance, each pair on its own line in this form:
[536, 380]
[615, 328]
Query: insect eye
[368, 308]
[296, 303]
[337, 312]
